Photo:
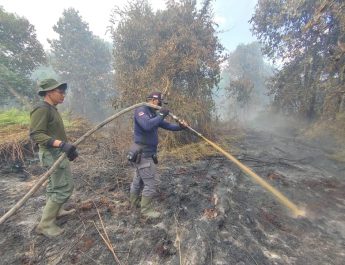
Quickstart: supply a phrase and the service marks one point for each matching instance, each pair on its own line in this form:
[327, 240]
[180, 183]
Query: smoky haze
[243, 90]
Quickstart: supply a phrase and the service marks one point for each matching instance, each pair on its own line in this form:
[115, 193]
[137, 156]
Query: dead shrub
[121, 138]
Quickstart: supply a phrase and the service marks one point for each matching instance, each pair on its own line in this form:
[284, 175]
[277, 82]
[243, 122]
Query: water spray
[296, 211]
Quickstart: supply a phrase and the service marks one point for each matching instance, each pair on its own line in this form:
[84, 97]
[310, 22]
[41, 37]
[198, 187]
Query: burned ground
[212, 212]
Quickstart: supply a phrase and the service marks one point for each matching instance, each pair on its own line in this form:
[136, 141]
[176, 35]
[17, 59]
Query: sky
[231, 15]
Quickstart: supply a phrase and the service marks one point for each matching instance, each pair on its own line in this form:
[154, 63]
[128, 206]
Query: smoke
[227, 107]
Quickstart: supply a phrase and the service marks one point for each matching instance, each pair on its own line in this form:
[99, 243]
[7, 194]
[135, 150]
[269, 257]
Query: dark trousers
[145, 178]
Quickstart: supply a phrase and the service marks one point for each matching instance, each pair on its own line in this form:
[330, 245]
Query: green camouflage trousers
[60, 183]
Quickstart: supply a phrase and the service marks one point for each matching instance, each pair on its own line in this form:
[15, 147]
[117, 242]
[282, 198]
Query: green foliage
[84, 62]
[14, 116]
[309, 36]
[21, 117]
[175, 51]
[20, 54]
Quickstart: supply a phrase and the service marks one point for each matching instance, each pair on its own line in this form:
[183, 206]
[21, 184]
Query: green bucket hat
[49, 84]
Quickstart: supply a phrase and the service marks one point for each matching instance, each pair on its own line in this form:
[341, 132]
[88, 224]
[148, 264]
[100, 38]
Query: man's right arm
[38, 132]
[38, 126]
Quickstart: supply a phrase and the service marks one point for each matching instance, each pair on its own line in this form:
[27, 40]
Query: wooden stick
[178, 240]
[106, 235]
[46, 175]
[107, 244]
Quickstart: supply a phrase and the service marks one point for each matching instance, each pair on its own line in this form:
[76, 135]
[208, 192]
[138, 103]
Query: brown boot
[47, 226]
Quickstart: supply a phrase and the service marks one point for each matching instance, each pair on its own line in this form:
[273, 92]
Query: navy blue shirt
[146, 124]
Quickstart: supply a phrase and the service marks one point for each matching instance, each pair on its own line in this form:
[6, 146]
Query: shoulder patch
[141, 113]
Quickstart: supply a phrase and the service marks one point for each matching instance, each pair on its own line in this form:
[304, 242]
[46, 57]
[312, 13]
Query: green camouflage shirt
[45, 124]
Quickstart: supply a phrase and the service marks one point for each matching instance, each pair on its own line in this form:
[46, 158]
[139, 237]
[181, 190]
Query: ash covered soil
[212, 213]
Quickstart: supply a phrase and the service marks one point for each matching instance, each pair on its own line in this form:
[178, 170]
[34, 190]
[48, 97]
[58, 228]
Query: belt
[147, 155]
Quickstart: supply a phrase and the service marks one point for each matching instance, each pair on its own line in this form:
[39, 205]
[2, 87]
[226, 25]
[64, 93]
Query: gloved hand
[183, 124]
[73, 155]
[69, 150]
[163, 112]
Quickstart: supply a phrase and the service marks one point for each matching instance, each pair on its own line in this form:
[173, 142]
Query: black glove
[163, 112]
[73, 155]
[67, 148]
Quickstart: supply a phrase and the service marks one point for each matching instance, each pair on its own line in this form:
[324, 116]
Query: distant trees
[309, 36]
[84, 61]
[20, 54]
[175, 50]
[247, 73]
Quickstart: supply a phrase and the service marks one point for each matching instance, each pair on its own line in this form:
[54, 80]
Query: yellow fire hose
[285, 201]
[281, 198]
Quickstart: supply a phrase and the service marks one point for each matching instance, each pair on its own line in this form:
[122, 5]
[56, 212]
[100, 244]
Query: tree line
[177, 50]
[77, 57]
[308, 38]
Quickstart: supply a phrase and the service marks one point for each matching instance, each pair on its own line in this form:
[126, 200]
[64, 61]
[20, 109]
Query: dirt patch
[212, 212]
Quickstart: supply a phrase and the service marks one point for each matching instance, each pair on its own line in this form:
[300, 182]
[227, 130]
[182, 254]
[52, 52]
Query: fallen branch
[130, 248]
[106, 240]
[178, 240]
[107, 244]
[46, 175]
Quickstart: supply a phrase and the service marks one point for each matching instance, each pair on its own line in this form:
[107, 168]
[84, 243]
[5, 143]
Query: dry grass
[339, 156]
[189, 152]
[334, 128]
[13, 133]
[115, 139]
[201, 149]
[331, 129]
[15, 142]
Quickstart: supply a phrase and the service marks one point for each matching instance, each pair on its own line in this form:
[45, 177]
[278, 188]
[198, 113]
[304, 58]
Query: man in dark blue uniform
[146, 124]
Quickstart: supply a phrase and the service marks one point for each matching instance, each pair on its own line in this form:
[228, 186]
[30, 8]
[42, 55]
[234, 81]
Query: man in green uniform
[47, 130]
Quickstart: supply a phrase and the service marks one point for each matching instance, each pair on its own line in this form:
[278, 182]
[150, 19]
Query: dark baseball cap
[157, 95]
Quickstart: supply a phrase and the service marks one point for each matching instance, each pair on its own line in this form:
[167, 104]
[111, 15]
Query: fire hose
[281, 198]
[276, 193]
